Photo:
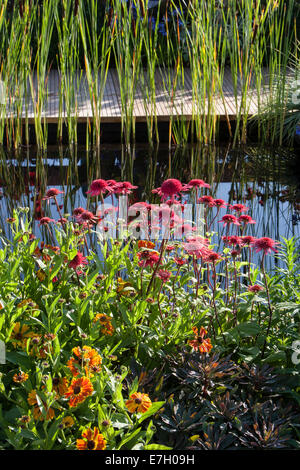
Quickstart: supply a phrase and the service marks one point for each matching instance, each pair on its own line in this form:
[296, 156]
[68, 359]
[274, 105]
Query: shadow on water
[266, 180]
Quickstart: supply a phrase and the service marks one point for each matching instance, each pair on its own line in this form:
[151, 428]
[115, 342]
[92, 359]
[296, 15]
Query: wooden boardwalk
[181, 104]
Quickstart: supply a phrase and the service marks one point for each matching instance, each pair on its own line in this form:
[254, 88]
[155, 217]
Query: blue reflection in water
[269, 202]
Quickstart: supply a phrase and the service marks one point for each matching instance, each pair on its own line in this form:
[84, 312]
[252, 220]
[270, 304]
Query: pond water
[266, 180]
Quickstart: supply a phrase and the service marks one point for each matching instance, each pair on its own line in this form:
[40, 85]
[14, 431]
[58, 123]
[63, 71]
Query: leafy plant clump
[188, 341]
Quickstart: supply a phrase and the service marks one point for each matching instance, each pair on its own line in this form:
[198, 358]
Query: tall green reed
[97, 34]
[203, 28]
[280, 49]
[207, 37]
[16, 31]
[67, 25]
[44, 23]
[127, 48]
[148, 73]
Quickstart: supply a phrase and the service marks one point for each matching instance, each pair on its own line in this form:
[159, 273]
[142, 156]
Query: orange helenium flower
[199, 343]
[92, 440]
[146, 244]
[124, 288]
[139, 402]
[68, 422]
[20, 335]
[26, 302]
[79, 390]
[37, 414]
[60, 385]
[20, 377]
[105, 324]
[86, 357]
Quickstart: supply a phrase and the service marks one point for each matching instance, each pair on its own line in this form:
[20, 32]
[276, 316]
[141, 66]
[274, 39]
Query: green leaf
[248, 329]
[20, 358]
[156, 447]
[278, 356]
[120, 421]
[152, 410]
[130, 437]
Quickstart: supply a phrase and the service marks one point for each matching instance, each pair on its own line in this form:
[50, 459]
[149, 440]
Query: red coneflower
[195, 183]
[239, 208]
[148, 258]
[78, 211]
[45, 221]
[228, 219]
[62, 221]
[265, 244]
[181, 229]
[78, 260]
[220, 203]
[86, 217]
[180, 261]
[207, 200]
[164, 275]
[99, 187]
[140, 206]
[170, 247]
[169, 188]
[124, 187]
[246, 219]
[52, 193]
[247, 240]
[235, 253]
[197, 247]
[255, 288]
[212, 257]
[111, 183]
[232, 240]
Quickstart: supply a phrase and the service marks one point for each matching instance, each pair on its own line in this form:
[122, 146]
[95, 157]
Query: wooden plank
[182, 106]
[115, 97]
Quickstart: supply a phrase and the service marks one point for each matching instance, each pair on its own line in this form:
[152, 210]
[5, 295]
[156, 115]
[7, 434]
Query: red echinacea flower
[45, 221]
[232, 240]
[99, 187]
[220, 203]
[164, 275]
[52, 193]
[78, 260]
[255, 288]
[265, 244]
[124, 187]
[246, 219]
[212, 257]
[247, 240]
[239, 208]
[207, 200]
[169, 188]
[228, 219]
[86, 217]
[196, 183]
